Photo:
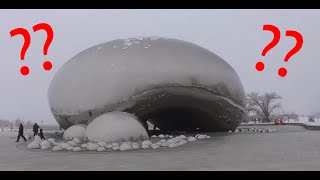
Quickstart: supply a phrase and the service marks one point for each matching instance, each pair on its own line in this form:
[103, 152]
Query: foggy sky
[234, 35]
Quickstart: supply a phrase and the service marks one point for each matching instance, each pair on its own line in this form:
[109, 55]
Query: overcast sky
[234, 35]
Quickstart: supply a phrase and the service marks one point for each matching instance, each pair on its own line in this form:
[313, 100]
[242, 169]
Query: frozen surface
[116, 127]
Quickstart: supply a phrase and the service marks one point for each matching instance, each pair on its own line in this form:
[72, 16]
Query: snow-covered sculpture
[154, 78]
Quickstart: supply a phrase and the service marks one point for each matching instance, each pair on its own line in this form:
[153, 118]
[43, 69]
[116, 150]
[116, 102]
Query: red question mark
[24, 70]
[299, 42]
[43, 26]
[272, 44]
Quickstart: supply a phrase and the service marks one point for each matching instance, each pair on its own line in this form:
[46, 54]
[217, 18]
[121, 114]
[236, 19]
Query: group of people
[35, 132]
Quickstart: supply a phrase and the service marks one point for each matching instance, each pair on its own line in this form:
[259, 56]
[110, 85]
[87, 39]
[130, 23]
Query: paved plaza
[291, 148]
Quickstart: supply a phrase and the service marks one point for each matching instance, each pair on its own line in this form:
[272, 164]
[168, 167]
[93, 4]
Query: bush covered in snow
[76, 149]
[84, 145]
[45, 143]
[116, 127]
[77, 140]
[161, 136]
[93, 147]
[33, 145]
[135, 146]
[102, 144]
[75, 131]
[57, 148]
[72, 143]
[44, 147]
[192, 139]
[101, 149]
[115, 148]
[146, 142]
[155, 146]
[125, 147]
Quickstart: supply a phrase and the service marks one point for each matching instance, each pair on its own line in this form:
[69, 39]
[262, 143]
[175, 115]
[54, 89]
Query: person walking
[21, 133]
[41, 134]
[35, 129]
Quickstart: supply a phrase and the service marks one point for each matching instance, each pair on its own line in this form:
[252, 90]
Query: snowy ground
[290, 148]
[303, 120]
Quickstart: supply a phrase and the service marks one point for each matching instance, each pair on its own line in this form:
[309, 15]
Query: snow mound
[55, 143]
[51, 140]
[208, 137]
[155, 146]
[165, 144]
[237, 130]
[70, 148]
[116, 148]
[84, 145]
[171, 141]
[109, 146]
[135, 146]
[183, 137]
[170, 136]
[102, 144]
[116, 127]
[27, 137]
[101, 149]
[45, 143]
[115, 144]
[72, 143]
[154, 136]
[202, 136]
[57, 148]
[159, 143]
[37, 137]
[192, 139]
[76, 140]
[92, 147]
[173, 145]
[33, 146]
[125, 147]
[75, 131]
[44, 147]
[76, 149]
[146, 142]
[65, 146]
[230, 131]
[145, 146]
[161, 136]
[163, 140]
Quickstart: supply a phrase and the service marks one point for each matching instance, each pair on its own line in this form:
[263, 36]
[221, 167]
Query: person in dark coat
[35, 129]
[21, 133]
[41, 134]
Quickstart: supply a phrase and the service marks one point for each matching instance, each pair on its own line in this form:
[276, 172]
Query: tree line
[263, 107]
[14, 124]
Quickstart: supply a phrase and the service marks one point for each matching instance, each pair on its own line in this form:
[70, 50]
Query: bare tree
[263, 105]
